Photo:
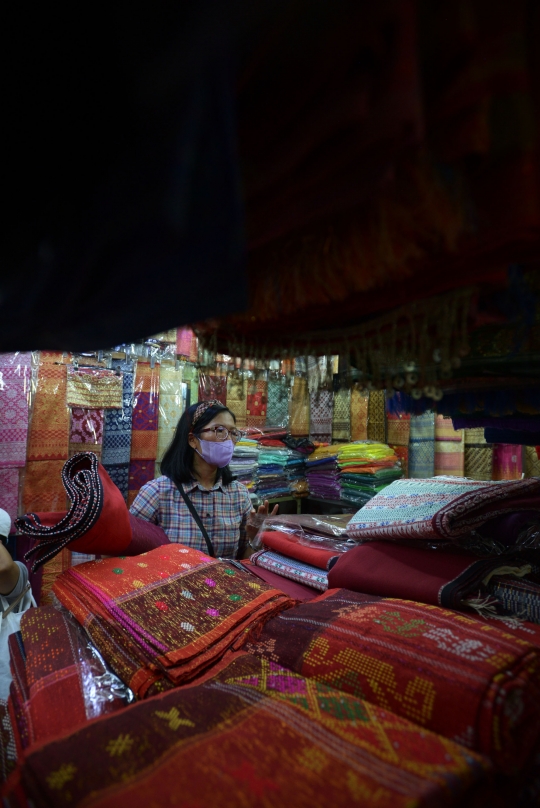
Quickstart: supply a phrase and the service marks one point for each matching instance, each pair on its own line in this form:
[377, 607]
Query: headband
[203, 406]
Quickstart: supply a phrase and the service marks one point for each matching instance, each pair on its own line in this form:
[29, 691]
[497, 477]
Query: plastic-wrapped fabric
[144, 436]
[447, 673]
[422, 446]
[16, 378]
[255, 733]
[187, 344]
[291, 568]
[299, 408]
[53, 664]
[9, 491]
[237, 390]
[117, 424]
[93, 388]
[444, 578]
[320, 415]
[86, 433]
[449, 448]
[277, 413]
[212, 387]
[171, 406]
[341, 416]
[164, 620]
[441, 508]
[359, 414]
[257, 402]
[290, 544]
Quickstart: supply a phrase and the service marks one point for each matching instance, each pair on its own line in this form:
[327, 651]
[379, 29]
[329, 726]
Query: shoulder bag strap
[195, 515]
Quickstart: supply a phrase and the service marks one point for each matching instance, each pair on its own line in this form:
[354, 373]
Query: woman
[198, 461]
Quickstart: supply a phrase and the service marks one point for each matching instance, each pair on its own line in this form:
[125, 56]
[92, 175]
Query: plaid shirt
[223, 510]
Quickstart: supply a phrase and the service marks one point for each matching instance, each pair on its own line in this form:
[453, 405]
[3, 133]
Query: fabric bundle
[277, 412]
[93, 388]
[359, 414]
[442, 508]
[144, 435]
[449, 448]
[320, 415]
[98, 520]
[455, 580]
[256, 404]
[365, 469]
[421, 454]
[322, 472]
[449, 674]
[171, 407]
[51, 666]
[299, 410]
[254, 734]
[117, 424]
[341, 417]
[278, 469]
[244, 461]
[517, 596]
[168, 616]
[290, 545]
[291, 568]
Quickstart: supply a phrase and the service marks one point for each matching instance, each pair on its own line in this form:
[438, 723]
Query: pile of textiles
[323, 474]
[245, 461]
[59, 680]
[366, 468]
[279, 470]
[466, 680]
[98, 520]
[254, 734]
[168, 616]
[517, 596]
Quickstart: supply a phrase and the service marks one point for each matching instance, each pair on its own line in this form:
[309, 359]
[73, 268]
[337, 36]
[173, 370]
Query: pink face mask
[216, 453]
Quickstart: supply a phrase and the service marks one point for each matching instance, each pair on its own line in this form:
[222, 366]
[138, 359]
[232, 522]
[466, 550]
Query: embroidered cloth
[212, 387]
[117, 425]
[237, 390]
[9, 491]
[450, 674]
[48, 436]
[144, 438]
[95, 388]
[86, 431]
[321, 404]
[162, 618]
[257, 403]
[15, 380]
[440, 508]
[518, 596]
[42, 486]
[187, 344]
[359, 414]
[299, 417]
[277, 413]
[341, 418]
[398, 429]
[449, 448]
[376, 428]
[171, 406]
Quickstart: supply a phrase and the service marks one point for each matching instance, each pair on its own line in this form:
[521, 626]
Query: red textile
[287, 545]
[470, 682]
[430, 576]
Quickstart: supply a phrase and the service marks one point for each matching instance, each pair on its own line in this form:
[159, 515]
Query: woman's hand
[256, 518]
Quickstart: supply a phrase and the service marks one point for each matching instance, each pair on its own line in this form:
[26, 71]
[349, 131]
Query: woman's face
[222, 419]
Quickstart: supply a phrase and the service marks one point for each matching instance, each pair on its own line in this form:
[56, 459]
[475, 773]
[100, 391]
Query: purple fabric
[145, 536]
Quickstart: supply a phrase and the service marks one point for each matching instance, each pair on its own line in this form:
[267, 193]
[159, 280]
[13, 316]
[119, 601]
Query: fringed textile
[255, 733]
[299, 417]
[94, 388]
[277, 412]
[15, 374]
[9, 491]
[257, 403]
[165, 618]
[171, 406]
[449, 448]
[48, 436]
[376, 428]
[321, 404]
[359, 414]
[443, 671]
[341, 417]
[518, 596]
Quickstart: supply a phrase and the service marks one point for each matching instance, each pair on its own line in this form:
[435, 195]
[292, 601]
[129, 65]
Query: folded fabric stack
[448, 673]
[245, 461]
[164, 618]
[279, 470]
[366, 468]
[254, 734]
[323, 474]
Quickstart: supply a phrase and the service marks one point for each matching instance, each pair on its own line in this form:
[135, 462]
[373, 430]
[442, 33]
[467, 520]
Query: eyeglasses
[222, 433]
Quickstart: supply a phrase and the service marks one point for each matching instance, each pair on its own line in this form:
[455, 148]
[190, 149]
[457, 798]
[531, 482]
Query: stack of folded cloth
[276, 468]
[165, 618]
[366, 468]
[322, 472]
[245, 461]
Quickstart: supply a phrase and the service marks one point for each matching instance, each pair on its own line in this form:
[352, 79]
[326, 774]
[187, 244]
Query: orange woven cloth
[359, 414]
[144, 437]
[42, 487]
[299, 408]
[48, 435]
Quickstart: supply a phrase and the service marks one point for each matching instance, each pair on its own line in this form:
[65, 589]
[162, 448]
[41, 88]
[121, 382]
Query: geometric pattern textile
[299, 408]
[117, 422]
[140, 473]
[94, 388]
[213, 387]
[359, 414]
[398, 429]
[48, 435]
[144, 435]
[376, 427]
[42, 487]
[277, 413]
[15, 382]
[9, 491]
[518, 596]
[532, 462]
[441, 507]
[187, 345]
[255, 734]
[402, 452]
[162, 619]
[292, 569]
[171, 406]
[422, 446]
[320, 415]
[86, 431]
[237, 400]
[341, 418]
[257, 403]
[449, 448]
[444, 671]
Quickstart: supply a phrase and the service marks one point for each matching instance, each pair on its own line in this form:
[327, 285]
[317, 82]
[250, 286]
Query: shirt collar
[193, 484]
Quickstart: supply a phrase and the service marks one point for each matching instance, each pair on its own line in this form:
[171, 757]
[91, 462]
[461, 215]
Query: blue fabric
[117, 424]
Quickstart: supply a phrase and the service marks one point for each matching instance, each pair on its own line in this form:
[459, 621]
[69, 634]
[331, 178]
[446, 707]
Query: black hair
[177, 463]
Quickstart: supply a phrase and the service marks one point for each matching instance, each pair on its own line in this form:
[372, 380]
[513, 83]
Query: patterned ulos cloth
[165, 617]
[441, 508]
[292, 569]
[254, 734]
[466, 680]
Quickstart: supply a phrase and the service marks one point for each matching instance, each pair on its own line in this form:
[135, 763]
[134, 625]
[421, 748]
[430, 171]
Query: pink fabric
[9, 491]
[15, 374]
[86, 426]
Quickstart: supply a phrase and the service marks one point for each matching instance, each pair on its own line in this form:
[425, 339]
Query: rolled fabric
[98, 521]
[286, 544]
[436, 577]
[450, 674]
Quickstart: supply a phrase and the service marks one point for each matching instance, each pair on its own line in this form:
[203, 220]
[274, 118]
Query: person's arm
[250, 527]
[9, 572]
[146, 503]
